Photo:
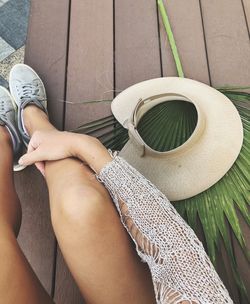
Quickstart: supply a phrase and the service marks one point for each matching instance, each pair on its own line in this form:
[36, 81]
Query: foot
[27, 89]
[7, 119]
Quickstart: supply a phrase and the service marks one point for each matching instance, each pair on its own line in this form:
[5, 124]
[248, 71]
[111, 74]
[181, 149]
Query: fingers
[44, 146]
[31, 158]
[39, 165]
[33, 154]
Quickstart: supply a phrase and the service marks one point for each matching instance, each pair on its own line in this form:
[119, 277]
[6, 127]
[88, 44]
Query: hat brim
[185, 172]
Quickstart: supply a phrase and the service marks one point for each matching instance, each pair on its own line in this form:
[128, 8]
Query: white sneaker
[27, 88]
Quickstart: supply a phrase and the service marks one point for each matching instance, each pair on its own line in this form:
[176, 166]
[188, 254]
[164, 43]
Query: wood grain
[227, 42]
[90, 62]
[36, 236]
[137, 54]
[66, 290]
[188, 32]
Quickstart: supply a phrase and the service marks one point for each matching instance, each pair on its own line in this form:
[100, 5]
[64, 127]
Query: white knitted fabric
[179, 265]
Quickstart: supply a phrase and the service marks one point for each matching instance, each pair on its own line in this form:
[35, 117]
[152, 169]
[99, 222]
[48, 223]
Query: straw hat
[204, 158]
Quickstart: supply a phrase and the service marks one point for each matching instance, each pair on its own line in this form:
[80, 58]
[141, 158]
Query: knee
[80, 208]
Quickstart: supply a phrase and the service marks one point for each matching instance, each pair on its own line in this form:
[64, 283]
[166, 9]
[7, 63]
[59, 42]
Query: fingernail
[20, 161]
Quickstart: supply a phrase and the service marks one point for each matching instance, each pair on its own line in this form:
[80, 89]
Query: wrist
[74, 143]
[90, 150]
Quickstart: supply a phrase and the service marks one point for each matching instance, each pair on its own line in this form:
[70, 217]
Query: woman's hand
[54, 145]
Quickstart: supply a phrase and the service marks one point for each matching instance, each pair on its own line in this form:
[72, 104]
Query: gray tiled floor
[13, 22]
[5, 49]
[13, 30]
[2, 2]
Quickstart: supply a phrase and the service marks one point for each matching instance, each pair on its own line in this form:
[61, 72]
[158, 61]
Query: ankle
[32, 111]
[35, 119]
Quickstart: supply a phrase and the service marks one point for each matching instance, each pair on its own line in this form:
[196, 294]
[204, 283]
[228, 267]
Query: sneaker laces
[30, 90]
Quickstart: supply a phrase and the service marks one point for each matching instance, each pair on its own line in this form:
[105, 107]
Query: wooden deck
[94, 49]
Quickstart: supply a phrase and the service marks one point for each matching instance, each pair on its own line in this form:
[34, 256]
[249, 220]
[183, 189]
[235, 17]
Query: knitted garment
[179, 265]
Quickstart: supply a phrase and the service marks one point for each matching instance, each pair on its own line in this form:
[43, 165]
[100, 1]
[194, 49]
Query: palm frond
[174, 122]
[171, 39]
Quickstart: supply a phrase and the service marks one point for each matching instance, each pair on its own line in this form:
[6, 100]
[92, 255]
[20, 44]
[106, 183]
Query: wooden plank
[66, 289]
[229, 57]
[188, 32]
[90, 65]
[246, 8]
[137, 55]
[90, 76]
[45, 51]
[36, 235]
[227, 42]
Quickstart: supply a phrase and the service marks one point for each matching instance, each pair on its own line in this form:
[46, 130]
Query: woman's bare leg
[18, 283]
[93, 241]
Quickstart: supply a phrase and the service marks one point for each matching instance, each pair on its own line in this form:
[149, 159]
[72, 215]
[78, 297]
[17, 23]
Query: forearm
[54, 145]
